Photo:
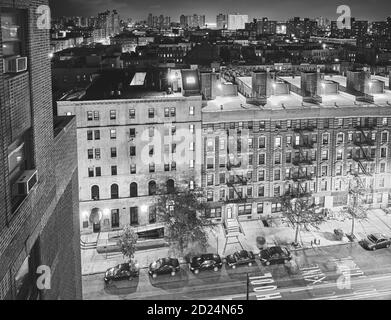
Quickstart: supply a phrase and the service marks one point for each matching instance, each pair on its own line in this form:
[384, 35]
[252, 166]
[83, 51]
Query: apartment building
[295, 135]
[38, 166]
[137, 136]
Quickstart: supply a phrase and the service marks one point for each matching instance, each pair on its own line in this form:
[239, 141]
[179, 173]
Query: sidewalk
[377, 222]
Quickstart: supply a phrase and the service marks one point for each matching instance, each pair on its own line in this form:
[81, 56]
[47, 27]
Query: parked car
[375, 241]
[205, 262]
[240, 258]
[164, 266]
[124, 271]
[275, 255]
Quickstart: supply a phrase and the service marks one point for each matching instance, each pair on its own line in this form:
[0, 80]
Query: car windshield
[157, 264]
[372, 238]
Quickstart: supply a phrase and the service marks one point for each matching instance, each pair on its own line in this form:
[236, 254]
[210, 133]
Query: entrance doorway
[229, 213]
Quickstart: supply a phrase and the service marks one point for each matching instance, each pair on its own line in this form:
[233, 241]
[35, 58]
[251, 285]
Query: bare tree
[356, 208]
[127, 242]
[183, 213]
[301, 212]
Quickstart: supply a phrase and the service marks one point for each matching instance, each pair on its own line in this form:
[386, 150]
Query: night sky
[273, 9]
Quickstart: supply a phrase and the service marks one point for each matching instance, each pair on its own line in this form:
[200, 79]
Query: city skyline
[371, 10]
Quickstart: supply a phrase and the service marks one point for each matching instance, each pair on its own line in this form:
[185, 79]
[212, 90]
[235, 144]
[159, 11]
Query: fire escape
[301, 162]
[363, 142]
[238, 179]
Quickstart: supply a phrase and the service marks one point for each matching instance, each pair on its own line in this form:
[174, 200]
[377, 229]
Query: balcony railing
[305, 145]
[308, 128]
[365, 142]
[302, 177]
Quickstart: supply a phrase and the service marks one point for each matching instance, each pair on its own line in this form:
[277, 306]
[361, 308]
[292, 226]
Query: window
[95, 193]
[384, 137]
[113, 114]
[276, 207]
[277, 142]
[277, 191]
[151, 167]
[339, 154]
[325, 139]
[132, 114]
[113, 134]
[113, 170]
[260, 208]
[222, 162]
[97, 154]
[325, 155]
[152, 215]
[192, 128]
[132, 151]
[173, 166]
[289, 140]
[132, 169]
[151, 113]
[382, 167]
[170, 186]
[222, 144]
[173, 130]
[90, 116]
[90, 153]
[324, 171]
[288, 158]
[133, 216]
[383, 152]
[89, 135]
[97, 134]
[323, 186]
[261, 175]
[12, 32]
[113, 152]
[250, 143]
[209, 163]
[209, 179]
[152, 188]
[191, 184]
[98, 171]
[173, 148]
[213, 213]
[262, 125]
[261, 191]
[191, 110]
[338, 170]
[262, 142]
[385, 122]
[90, 172]
[340, 122]
[277, 158]
[132, 132]
[151, 151]
[209, 195]
[96, 115]
[278, 125]
[277, 175]
[151, 131]
[381, 183]
[350, 137]
[166, 167]
[340, 138]
[115, 218]
[166, 112]
[173, 112]
[262, 158]
[210, 145]
[191, 164]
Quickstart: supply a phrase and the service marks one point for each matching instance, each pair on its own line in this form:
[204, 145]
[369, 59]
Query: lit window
[113, 114]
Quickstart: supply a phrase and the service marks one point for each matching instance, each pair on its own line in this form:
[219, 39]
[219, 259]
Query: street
[367, 275]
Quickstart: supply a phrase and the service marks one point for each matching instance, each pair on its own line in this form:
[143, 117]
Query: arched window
[95, 193]
[133, 190]
[170, 185]
[152, 188]
[114, 191]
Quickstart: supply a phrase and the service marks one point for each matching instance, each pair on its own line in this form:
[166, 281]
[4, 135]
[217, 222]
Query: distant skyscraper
[237, 21]
[222, 21]
[192, 21]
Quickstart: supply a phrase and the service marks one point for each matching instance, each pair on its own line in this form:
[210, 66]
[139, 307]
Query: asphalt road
[337, 272]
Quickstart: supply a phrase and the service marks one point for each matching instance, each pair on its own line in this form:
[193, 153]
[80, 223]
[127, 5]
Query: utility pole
[247, 286]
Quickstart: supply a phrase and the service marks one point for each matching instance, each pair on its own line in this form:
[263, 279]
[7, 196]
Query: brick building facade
[37, 218]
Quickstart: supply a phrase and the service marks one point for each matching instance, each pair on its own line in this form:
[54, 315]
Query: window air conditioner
[15, 64]
[26, 182]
